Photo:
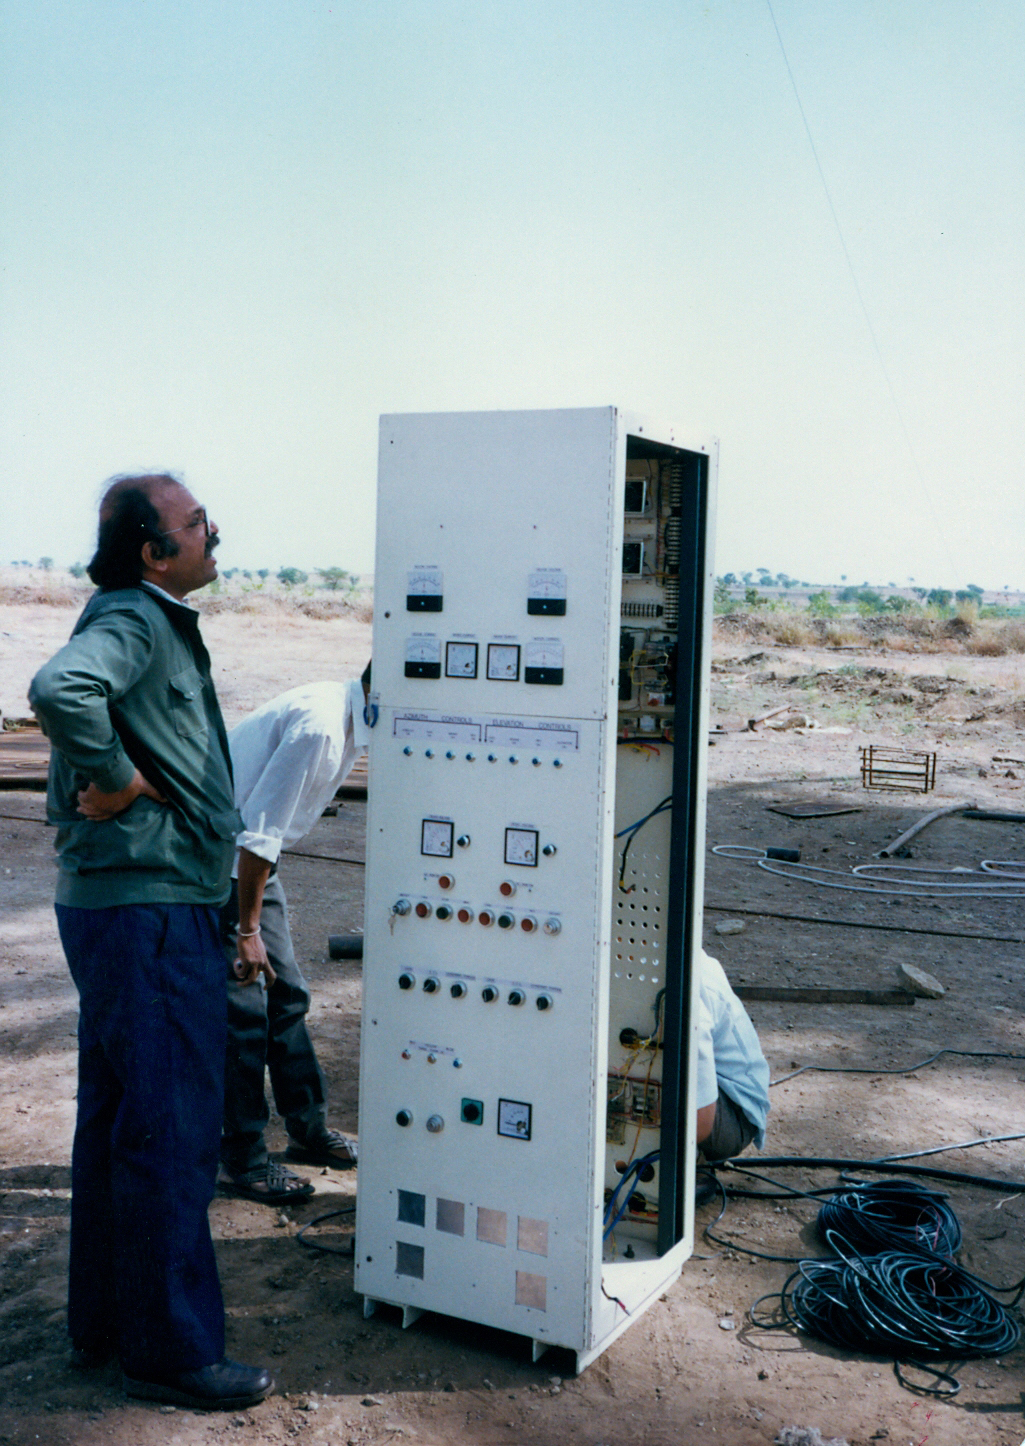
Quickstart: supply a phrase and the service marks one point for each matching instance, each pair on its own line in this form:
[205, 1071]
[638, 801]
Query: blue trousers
[151, 1040]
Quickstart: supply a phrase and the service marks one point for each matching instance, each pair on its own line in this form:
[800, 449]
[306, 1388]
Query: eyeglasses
[201, 520]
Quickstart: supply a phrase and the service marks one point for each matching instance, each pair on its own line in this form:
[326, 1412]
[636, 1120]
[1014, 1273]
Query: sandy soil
[694, 1370]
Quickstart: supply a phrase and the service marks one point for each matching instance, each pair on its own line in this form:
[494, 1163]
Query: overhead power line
[853, 274]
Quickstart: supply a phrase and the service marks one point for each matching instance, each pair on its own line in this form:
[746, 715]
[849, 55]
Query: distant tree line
[832, 602]
[334, 579]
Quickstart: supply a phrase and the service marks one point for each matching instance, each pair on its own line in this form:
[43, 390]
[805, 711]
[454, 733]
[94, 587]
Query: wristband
[251, 935]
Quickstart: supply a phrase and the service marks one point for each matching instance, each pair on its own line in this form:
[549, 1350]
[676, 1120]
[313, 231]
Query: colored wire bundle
[619, 1200]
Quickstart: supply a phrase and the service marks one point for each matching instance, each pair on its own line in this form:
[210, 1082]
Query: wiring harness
[619, 1201]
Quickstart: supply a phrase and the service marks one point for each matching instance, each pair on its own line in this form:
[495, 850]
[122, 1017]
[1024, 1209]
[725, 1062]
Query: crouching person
[733, 1077]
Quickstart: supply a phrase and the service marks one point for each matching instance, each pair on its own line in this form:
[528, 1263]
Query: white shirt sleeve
[708, 1080]
[300, 774]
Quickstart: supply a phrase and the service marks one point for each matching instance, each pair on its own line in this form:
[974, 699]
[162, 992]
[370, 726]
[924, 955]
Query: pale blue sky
[236, 231]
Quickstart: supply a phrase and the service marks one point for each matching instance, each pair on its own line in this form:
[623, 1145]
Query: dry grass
[34, 586]
[321, 606]
[841, 635]
[965, 632]
[993, 638]
[790, 629]
[56, 595]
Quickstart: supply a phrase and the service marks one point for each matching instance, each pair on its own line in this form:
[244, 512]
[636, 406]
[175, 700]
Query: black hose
[317, 1220]
[879, 1167]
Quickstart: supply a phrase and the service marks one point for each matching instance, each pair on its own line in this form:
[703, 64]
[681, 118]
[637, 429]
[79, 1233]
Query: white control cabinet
[542, 614]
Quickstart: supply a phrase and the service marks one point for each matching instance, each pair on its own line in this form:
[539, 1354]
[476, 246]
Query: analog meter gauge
[423, 656]
[504, 662]
[521, 847]
[546, 592]
[425, 590]
[436, 838]
[460, 660]
[514, 1119]
[543, 661]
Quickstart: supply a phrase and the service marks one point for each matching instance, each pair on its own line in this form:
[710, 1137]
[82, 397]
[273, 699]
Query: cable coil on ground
[919, 1310]
[891, 1215]
[893, 1288]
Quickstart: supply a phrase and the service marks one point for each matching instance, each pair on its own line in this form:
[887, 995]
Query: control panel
[533, 869]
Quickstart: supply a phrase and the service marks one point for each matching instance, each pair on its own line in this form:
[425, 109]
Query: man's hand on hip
[100, 807]
[252, 961]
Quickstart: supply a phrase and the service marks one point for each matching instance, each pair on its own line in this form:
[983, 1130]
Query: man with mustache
[141, 792]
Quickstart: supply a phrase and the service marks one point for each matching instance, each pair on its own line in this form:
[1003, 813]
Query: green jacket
[132, 689]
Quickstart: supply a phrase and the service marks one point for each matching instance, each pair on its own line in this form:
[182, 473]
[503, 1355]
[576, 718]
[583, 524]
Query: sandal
[330, 1148]
[268, 1184]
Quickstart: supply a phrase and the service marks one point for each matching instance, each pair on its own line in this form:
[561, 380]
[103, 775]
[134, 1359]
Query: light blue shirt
[730, 1057]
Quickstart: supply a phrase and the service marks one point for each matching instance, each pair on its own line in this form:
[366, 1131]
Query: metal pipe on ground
[345, 946]
[916, 828]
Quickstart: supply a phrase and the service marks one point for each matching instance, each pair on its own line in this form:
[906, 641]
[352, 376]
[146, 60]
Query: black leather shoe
[226, 1386]
[330, 1148]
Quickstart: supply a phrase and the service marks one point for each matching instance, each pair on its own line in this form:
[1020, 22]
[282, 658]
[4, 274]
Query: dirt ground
[694, 1369]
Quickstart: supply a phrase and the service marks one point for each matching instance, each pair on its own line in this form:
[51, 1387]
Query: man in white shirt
[288, 759]
[733, 1077]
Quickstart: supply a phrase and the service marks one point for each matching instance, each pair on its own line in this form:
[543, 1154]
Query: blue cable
[629, 1178]
[632, 828]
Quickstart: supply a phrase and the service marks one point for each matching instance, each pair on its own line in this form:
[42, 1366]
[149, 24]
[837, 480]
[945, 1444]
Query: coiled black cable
[894, 1288]
[891, 1215]
[918, 1309]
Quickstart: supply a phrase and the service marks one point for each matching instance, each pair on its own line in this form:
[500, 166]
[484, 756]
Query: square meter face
[521, 847]
[460, 660]
[504, 662]
[436, 838]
